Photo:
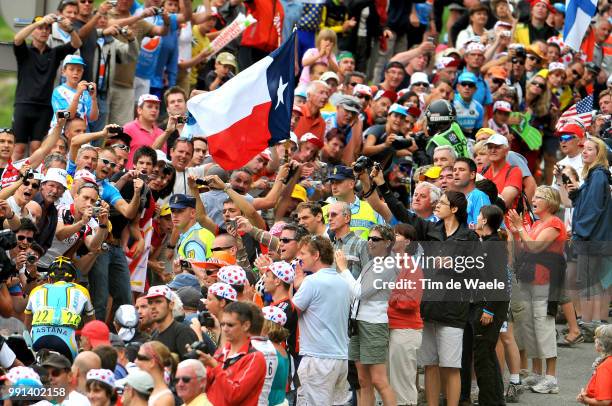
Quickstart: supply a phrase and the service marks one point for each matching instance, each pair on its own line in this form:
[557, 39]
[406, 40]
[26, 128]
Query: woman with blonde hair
[324, 52]
[591, 231]
[540, 267]
[544, 109]
[599, 388]
[155, 358]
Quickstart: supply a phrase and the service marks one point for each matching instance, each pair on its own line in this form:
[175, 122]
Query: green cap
[344, 55]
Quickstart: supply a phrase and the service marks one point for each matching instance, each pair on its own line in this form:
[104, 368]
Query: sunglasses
[122, 147]
[6, 130]
[211, 273]
[108, 163]
[375, 239]
[468, 84]
[540, 85]
[354, 84]
[567, 137]
[422, 84]
[217, 249]
[86, 1]
[576, 73]
[23, 237]
[499, 82]
[534, 58]
[286, 240]
[184, 379]
[57, 372]
[363, 96]
[142, 357]
[35, 185]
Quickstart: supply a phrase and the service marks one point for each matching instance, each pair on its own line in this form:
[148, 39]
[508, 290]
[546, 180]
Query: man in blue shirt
[464, 173]
[323, 325]
[474, 59]
[470, 113]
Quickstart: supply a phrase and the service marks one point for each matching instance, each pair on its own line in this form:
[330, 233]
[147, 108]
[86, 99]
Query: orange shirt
[309, 123]
[542, 274]
[600, 384]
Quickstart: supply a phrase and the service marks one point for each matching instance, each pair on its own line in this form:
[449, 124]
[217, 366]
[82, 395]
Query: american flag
[581, 111]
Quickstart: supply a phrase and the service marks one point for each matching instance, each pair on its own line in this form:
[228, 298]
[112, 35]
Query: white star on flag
[279, 92]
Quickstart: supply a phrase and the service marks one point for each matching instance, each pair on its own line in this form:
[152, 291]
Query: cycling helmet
[62, 269]
[440, 115]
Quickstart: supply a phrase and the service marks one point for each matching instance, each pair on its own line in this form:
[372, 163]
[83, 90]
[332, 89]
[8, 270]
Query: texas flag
[251, 111]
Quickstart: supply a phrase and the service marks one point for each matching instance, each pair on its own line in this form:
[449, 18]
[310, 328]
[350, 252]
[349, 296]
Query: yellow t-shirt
[200, 43]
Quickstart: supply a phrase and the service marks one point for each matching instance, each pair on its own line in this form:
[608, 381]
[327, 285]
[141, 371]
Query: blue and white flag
[578, 15]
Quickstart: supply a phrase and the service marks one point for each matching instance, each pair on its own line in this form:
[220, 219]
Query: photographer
[385, 142]
[83, 223]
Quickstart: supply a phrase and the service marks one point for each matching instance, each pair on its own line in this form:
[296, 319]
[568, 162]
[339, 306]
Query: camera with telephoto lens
[63, 114]
[364, 163]
[124, 31]
[181, 120]
[401, 142]
[198, 346]
[115, 130]
[206, 319]
[158, 11]
[8, 241]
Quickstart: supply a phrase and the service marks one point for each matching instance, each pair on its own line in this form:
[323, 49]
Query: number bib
[48, 316]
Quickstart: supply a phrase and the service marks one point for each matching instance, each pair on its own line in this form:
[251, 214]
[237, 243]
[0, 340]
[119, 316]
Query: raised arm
[25, 32]
[130, 210]
[201, 215]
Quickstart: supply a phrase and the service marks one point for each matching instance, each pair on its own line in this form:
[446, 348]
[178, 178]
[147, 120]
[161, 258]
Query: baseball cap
[433, 172]
[394, 64]
[362, 89]
[329, 75]
[159, 291]
[447, 62]
[283, 271]
[502, 25]
[56, 175]
[84, 174]
[300, 91]
[502, 105]
[266, 154]
[299, 193]
[138, 380]
[497, 139]
[73, 60]
[97, 332]
[232, 275]
[559, 7]
[349, 103]
[147, 98]
[419, 77]
[274, 314]
[474, 47]
[102, 375]
[398, 109]
[127, 318]
[223, 290]
[181, 201]
[451, 51]
[571, 127]
[313, 139]
[225, 58]
[553, 66]
[341, 172]
[499, 72]
[190, 296]
[345, 55]
[386, 93]
[184, 280]
[22, 376]
[535, 50]
[467, 77]
[58, 361]
[165, 210]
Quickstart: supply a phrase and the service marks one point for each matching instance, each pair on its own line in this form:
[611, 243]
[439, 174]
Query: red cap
[386, 93]
[97, 333]
[571, 127]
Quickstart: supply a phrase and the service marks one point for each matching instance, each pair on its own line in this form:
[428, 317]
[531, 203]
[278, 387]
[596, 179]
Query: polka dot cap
[20, 373]
[103, 375]
[283, 271]
[275, 315]
[232, 275]
[223, 290]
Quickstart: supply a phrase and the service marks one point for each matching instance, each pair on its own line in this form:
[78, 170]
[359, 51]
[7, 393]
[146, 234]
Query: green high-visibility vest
[453, 137]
